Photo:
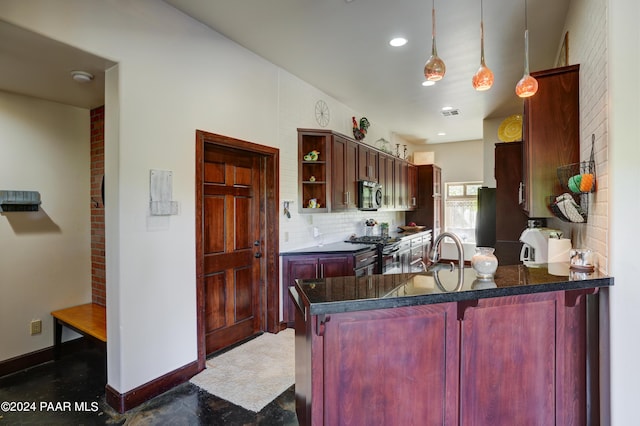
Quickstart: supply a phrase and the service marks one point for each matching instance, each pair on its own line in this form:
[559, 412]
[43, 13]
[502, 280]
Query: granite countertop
[347, 247]
[347, 294]
[339, 247]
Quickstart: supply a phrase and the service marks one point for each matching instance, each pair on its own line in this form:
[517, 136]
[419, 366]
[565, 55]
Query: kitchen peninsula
[445, 348]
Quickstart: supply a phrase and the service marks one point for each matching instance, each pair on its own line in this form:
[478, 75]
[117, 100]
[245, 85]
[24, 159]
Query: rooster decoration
[360, 132]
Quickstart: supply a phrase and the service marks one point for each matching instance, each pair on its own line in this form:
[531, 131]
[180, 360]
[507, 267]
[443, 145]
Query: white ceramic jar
[484, 262]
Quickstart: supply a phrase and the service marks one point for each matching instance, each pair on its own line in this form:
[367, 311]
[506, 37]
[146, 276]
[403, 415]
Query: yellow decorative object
[510, 129]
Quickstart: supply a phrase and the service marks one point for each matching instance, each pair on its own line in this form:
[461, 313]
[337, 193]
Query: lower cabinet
[310, 266]
[523, 361]
[513, 360]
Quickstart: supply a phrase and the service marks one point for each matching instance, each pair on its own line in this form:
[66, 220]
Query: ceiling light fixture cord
[434, 69]
[526, 39]
[527, 86]
[483, 78]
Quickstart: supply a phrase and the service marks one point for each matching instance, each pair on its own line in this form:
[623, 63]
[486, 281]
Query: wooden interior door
[232, 246]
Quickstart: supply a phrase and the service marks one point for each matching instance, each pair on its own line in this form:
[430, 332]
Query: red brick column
[98, 281]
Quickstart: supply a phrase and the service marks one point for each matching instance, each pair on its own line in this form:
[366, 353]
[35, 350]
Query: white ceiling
[341, 47]
[38, 66]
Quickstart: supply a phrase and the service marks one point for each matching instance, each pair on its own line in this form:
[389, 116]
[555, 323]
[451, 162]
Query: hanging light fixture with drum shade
[434, 69]
[483, 78]
[527, 86]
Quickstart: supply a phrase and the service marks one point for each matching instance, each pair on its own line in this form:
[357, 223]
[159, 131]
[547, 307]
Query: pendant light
[434, 69]
[483, 78]
[527, 86]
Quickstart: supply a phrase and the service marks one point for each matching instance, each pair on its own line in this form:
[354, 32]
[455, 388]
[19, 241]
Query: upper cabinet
[386, 179]
[368, 159]
[330, 165]
[551, 136]
[412, 186]
[314, 153]
[343, 174]
[400, 185]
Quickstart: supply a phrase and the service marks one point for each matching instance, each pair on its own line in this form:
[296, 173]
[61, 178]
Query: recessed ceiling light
[398, 41]
[447, 108]
[442, 134]
[81, 76]
[427, 83]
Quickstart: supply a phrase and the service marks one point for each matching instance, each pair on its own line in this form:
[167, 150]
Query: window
[460, 207]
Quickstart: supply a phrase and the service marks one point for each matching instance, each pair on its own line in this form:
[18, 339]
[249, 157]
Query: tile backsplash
[305, 230]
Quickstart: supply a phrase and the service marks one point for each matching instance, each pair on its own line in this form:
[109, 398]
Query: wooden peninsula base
[515, 359]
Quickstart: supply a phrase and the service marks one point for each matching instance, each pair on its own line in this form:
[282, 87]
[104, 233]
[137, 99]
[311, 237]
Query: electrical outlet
[36, 327]
[286, 236]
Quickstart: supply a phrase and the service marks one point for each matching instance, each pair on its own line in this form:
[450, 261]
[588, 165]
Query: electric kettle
[535, 249]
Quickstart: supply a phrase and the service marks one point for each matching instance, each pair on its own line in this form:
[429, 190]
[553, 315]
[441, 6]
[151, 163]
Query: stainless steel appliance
[486, 217]
[388, 253]
[366, 263]
[369, 195]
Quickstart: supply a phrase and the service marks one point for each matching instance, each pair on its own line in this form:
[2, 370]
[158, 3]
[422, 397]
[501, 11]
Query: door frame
[269, 231]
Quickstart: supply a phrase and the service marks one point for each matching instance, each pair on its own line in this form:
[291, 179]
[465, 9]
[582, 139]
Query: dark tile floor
[79, 378]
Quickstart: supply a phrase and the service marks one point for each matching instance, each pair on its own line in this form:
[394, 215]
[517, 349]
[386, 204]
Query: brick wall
[587, 26]
[98, 289]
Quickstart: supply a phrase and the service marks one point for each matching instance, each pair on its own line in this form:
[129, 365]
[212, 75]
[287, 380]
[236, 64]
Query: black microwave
[369, 195]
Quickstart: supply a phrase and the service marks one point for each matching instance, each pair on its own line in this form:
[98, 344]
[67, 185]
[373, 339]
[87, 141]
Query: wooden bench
[89, 320]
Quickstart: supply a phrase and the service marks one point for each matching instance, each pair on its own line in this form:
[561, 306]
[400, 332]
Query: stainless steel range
[388, 252]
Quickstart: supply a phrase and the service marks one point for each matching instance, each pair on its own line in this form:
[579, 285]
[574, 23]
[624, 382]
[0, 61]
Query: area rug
[252, 374]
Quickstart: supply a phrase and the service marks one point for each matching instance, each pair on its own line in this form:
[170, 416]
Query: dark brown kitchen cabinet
[512, 360]
[344, 185]
[309, 267]
[386, 179]
[551, 136]
[412, 186]
[429, 209]
[523, 360]
[511, 218]
[368, 163]
[313, 171]
[328, 180]
[375, 370]
[400, 185]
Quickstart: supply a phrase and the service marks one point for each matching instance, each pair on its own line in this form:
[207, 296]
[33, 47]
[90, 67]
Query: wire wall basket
[570, 207]
[578, 180]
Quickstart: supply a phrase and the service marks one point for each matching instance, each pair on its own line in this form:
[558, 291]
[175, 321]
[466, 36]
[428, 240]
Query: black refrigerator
[486, 218]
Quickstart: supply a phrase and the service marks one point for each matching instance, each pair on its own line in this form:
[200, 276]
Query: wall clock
[322, 113]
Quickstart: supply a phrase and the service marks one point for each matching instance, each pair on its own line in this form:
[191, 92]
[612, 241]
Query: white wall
[174, 76]
[45, 261]
[490, 136]
[460, 161]
[623, 59]
[587, 27]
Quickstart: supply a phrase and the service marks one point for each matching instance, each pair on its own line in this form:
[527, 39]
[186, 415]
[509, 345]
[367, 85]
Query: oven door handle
[395, 250]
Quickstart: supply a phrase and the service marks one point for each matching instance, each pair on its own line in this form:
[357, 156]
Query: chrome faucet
[434, 257]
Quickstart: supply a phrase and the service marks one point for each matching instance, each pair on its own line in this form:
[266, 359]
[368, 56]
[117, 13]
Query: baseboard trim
[122, 402]
[31, 359]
